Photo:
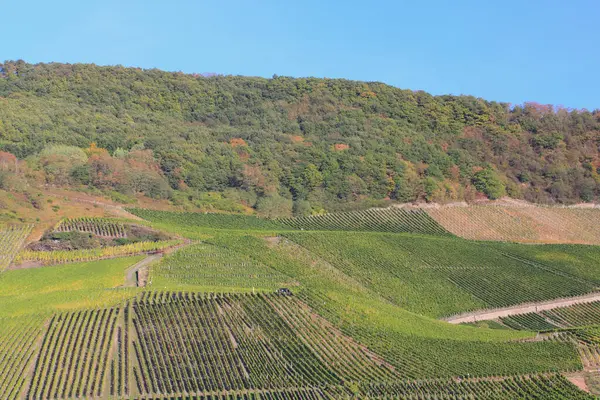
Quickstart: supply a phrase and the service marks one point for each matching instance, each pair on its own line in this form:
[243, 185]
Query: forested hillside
[283, 145]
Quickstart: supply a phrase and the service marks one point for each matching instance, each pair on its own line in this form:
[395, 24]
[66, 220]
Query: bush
[487, 181]
[274, 206]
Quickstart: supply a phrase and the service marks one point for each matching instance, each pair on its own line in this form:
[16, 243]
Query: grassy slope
[64, 287]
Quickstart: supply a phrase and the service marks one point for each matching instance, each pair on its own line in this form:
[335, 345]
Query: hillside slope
[288, 145]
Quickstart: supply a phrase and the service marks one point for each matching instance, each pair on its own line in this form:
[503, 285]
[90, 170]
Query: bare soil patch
[578, 379]
[25, 265]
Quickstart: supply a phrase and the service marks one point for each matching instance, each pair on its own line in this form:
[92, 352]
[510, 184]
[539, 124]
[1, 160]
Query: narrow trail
[130, 273]
[117, 210]
[488, 314]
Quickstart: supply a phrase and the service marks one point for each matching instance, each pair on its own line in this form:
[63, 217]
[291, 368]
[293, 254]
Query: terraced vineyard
[104, 227]
[218, 269]
[530, 224]
[377, 220]
[64, 256]
[12, 238]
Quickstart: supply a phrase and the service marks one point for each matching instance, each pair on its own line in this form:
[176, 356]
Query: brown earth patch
[578, 380]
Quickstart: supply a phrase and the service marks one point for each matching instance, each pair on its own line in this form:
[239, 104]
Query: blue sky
[513, 51]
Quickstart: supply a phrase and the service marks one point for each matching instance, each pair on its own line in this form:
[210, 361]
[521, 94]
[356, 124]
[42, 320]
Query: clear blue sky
[512, 50]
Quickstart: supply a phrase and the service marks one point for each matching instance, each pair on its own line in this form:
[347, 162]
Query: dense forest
[284, 145]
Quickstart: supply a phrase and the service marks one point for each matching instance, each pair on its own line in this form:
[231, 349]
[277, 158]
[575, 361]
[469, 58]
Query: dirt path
[521, 309]
[130, 273]
[116, 210]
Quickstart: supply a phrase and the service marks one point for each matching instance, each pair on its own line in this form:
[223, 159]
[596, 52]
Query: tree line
[286, 145]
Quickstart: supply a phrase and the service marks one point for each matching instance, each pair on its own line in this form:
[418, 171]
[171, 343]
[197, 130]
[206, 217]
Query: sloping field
[215, 268]
[208, 220]
[12, 238]
[375, 220]
[18, 337]
[526, 223]
[441, 276]
[185, 345]
[104, 227]
[358, 323]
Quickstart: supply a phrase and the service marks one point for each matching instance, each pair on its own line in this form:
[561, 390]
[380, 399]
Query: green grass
[64, 287]
[486, 324]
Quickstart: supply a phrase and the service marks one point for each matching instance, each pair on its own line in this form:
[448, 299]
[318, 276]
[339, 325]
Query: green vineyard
[553, 387]
[164, 345]
[577, 315]
[18, 337]
[208, 220]
[377, 220]
[216, 268]
[104, 227]
[73, 357]
[441, 276]
[340, 306]
[12, 238]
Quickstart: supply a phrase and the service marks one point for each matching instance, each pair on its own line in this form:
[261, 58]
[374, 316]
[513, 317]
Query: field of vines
[18, 337]
[578, 315]
[65, 256]
[196, 344]
[361, 321]
[377, 220]
[104, 227]
[440, 276]
[573, 260]
[216, 268]
[72, 360]
[164, 345]
[552, 386]
[208, 220]
[12, 238]
[530, 224]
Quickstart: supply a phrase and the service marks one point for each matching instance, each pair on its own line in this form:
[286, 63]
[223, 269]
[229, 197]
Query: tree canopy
[289, 143]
